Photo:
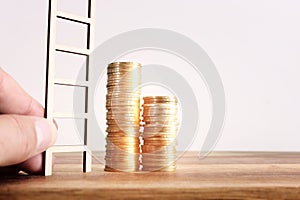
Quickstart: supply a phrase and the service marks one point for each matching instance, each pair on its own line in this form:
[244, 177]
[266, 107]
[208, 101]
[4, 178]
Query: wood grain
[222, 175]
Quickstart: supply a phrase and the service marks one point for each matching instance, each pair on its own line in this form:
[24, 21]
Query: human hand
[24, 133]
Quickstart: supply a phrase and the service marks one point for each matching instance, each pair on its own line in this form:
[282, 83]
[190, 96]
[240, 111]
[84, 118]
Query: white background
[255, 45]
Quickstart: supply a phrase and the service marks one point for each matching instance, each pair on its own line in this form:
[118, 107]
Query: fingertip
[28, 136]
[17, 102]
[46, 134]
[33, 165]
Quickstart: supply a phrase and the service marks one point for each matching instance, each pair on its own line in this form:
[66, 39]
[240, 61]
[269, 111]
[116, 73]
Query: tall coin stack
[159, 136]
[123, 117]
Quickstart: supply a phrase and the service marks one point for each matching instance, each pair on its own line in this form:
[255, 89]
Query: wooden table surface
[222, 175]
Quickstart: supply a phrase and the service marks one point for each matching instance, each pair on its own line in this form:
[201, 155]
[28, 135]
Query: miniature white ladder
[51, 81]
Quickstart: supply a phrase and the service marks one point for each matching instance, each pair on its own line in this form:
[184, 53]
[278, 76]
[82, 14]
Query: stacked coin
[159, 135]
[123, 117]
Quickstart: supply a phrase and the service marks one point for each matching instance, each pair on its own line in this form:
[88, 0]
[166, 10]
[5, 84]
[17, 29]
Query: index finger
[14, 100]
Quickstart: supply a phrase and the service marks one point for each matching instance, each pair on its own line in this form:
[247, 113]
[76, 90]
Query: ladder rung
[72, 17]
[74, 50]
[68, 148]
[70, 115]
[68, 82]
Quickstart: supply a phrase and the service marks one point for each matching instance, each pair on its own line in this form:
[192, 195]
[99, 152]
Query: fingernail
[55, 123]
[46, 133]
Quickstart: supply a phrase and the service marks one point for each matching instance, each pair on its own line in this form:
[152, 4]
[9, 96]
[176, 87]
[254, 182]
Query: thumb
[22, 137]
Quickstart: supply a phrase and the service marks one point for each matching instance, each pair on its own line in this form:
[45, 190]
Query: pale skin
[24, 133]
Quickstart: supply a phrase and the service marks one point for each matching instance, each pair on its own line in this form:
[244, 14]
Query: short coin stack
[123, 117]
[159, 135]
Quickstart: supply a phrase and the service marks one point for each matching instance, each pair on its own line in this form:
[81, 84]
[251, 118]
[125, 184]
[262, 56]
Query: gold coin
[159, 121]
[113, 64]
[151, 98]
